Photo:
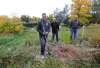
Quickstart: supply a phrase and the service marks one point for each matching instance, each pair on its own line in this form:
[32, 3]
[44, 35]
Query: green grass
[10, 41]
[15, 45]
[16, 40]
[64, 35]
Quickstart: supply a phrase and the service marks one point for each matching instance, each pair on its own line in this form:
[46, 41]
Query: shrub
[97, 57]
[95, 40]
[52, 63]
[93, 34]
[10, 27]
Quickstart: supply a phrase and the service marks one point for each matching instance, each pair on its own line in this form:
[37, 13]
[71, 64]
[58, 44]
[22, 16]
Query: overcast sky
[30, 7]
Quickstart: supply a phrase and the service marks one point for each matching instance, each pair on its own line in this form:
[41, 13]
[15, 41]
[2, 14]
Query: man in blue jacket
[73, 28]
[43, 27]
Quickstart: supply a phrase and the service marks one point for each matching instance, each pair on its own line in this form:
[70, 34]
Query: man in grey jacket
[43, 27]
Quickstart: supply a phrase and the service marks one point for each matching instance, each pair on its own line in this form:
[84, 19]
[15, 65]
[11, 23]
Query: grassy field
[18, 44]
[9, 41]
[25, 45]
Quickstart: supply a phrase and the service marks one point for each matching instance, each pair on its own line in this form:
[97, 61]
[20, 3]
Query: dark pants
[55, 35]
[43, 43]
[73, 34]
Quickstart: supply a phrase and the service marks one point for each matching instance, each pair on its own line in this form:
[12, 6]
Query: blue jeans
[55, 35]
[43, 43]
[73, 34]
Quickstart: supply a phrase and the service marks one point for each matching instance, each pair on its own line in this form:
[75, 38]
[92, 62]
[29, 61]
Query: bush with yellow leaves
[93, 34]
[10, 27]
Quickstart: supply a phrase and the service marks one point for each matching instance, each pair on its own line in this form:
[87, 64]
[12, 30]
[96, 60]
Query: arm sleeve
[58, 26]
[49, 26]
[39, 28]
[70, 24]
[79, 24]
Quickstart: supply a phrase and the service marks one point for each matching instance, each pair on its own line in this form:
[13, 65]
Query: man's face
[44, 17]
[54, 20]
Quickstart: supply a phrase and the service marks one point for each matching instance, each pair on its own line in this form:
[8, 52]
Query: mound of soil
[65, 52]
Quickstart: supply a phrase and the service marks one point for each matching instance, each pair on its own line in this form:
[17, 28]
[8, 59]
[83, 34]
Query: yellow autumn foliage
[15, 19]
[81, 9]
[10, 25]
[3, 19]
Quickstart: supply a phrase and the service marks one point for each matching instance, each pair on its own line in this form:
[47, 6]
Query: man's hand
[46, 32]
[43, 33]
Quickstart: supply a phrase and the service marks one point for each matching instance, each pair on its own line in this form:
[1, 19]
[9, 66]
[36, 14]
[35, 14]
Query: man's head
[44, 17]
[54, 19]
[76, 17]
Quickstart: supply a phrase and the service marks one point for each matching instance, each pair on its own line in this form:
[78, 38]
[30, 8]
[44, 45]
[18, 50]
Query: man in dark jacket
[55, 29]
[73, 28]
[43, 27]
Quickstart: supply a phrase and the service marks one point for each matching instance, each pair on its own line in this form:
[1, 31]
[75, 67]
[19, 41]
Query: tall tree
[96, 10]
[34, 19]
[4, 19]
[81, 9]
[15, 19]
[50, 17]
[61, 15]
[25, 18]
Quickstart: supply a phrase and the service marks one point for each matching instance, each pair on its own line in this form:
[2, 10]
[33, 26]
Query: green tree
[25, 18]
[96, 10]
[15, 19]
[51, 17]
[34, 19]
